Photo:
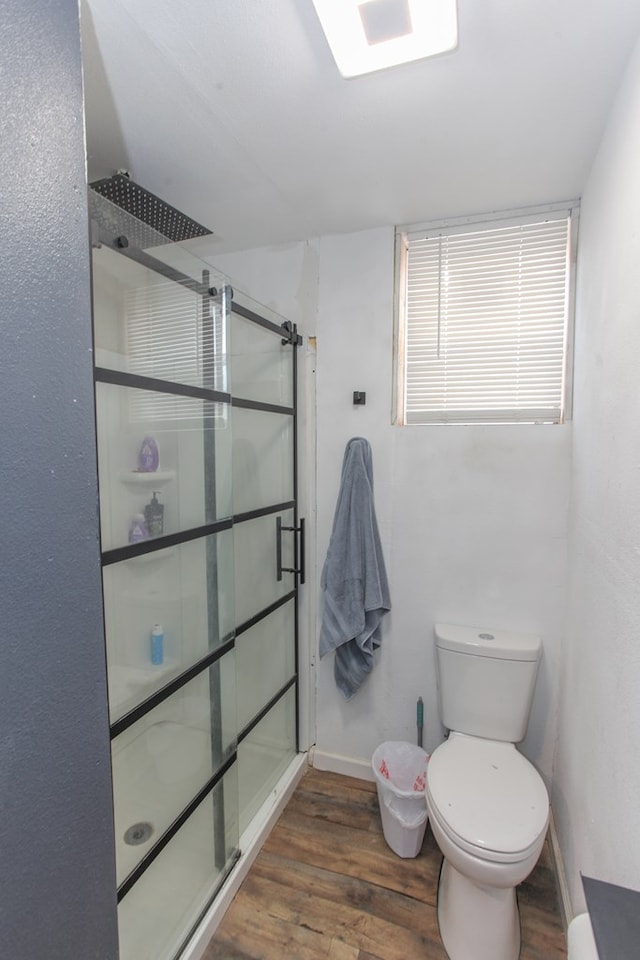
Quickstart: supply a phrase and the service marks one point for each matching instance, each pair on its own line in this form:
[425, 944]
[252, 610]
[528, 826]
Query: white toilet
[580, 941]
[488, 806]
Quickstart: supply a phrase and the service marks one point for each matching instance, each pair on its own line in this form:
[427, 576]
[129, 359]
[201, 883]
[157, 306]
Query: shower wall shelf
[158, 556]
[137, 478]
[132, 679]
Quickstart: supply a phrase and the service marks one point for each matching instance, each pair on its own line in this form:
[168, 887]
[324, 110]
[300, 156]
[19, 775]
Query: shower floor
[156, 775]
[158, 772]
[325, 885]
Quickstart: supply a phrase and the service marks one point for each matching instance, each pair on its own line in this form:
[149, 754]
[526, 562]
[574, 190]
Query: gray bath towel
[354, 579]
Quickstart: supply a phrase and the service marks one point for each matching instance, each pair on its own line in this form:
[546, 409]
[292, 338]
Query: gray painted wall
[57, 872]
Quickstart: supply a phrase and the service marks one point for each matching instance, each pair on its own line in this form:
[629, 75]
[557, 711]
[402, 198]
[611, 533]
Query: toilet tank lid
[500, 644]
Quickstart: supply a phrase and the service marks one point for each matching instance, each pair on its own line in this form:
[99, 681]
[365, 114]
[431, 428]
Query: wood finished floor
[325, 886]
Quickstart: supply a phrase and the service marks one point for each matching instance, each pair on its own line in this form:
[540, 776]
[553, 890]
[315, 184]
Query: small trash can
[400, 770]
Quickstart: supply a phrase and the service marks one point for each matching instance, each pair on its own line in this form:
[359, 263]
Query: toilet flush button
[486, 636]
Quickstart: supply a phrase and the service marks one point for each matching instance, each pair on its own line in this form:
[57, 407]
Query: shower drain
[138, 833]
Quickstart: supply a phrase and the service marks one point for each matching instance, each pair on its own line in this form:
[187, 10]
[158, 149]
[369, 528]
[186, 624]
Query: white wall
[283, 278]
[597, 775]
[473, 519]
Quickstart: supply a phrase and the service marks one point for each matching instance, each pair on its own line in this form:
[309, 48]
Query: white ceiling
[234, 112]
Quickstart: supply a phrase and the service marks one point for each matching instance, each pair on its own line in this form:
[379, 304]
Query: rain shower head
[148, 209]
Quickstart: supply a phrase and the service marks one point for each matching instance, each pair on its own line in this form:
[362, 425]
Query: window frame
[496, 220]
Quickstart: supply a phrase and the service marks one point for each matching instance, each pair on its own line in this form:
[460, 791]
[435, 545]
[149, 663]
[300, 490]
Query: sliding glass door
[202, 552]
[268, 549]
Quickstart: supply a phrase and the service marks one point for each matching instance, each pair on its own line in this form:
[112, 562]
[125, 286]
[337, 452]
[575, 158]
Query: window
[166, 339]
[483, 320]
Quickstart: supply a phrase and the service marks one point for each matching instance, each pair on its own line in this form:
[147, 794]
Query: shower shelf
[128, 684]
[137, 478]
[153, 557]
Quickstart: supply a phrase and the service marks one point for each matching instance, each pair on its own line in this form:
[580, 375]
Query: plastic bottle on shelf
[154, 516]
[157, 644]
[149, 456]
[138, 529]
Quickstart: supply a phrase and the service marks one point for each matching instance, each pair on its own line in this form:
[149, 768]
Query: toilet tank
[486, 680]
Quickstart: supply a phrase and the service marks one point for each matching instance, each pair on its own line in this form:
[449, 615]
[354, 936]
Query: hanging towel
[354, 579]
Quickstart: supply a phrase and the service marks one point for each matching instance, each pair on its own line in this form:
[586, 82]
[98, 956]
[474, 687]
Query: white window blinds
[486, 323]
[165, 340]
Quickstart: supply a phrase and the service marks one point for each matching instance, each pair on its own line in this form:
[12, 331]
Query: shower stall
[202, 557]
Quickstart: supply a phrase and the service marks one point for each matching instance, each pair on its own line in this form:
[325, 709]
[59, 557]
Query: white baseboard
[335, 763]
[251, 842]
[561, 876]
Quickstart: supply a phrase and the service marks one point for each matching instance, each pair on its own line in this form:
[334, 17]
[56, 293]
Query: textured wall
[597, 776]
[56, 867]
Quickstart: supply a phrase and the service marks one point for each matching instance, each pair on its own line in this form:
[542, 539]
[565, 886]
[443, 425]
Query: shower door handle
[300, 552]
[301, 555]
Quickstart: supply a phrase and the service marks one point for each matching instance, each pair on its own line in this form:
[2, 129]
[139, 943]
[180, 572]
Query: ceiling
[234, 112]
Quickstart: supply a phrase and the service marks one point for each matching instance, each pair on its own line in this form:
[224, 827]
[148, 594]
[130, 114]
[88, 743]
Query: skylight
[368, 35]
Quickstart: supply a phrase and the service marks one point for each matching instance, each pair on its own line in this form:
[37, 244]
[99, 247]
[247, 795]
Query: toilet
[580, 942]
[488, 806]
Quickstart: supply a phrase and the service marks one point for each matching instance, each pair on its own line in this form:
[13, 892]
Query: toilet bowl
[488, 806]
[489, 812]
[580, 942]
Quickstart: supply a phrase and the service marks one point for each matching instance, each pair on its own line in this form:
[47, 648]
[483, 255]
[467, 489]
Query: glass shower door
[268, 548]
[164, 425]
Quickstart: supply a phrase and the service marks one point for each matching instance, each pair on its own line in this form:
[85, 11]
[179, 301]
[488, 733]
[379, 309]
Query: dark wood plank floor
[325, 886]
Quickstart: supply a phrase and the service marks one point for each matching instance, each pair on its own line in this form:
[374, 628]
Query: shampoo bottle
[154, 516]
[149, 456]
[138, 529]
[157, 644]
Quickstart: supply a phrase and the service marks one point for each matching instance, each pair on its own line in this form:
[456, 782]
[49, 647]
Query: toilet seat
[487, 798]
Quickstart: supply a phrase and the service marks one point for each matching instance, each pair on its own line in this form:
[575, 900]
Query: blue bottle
[157, 644]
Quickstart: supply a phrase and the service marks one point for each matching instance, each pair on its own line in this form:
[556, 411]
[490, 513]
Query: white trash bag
[400, 769]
